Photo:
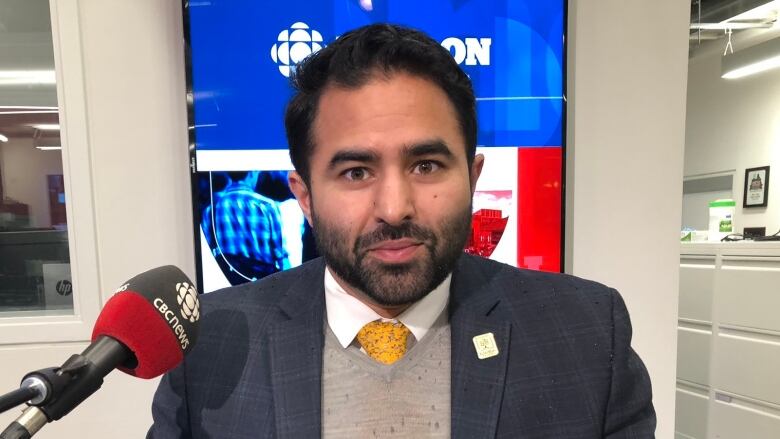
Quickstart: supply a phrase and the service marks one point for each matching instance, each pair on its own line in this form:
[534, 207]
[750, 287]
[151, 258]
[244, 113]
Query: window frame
[79, 194]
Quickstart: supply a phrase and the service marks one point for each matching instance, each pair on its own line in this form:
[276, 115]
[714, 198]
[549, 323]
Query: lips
[395, 251]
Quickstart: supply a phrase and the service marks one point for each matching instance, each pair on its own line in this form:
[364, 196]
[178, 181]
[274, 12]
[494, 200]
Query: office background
[121, 88]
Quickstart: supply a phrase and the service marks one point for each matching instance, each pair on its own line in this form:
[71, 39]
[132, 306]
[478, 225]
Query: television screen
[240, 56]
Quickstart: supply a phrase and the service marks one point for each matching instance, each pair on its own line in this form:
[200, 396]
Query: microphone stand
[16, 397]
[26, 425]
[66, 387]
[37, 388]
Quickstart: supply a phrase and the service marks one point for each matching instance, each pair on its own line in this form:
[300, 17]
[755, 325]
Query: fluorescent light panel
[49, 148]
[727, 25]
[47, 126]
[757, 13]
[26, 107]
[755, 59]
[3, 138]
[761, 17]
[752, 69]
[27, 77]
[30, 112]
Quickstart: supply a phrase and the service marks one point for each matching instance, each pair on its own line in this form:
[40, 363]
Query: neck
[387, 312]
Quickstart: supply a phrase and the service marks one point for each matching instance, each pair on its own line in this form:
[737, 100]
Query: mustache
[388, 232]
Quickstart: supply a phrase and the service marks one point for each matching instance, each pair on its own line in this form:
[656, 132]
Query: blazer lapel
[295, 348]
[477, 384]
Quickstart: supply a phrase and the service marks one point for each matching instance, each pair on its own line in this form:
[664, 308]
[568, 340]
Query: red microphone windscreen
[129, 318]
[155, 315]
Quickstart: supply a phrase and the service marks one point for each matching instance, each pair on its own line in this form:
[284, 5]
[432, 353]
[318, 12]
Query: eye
[356, 174]
[426, 167]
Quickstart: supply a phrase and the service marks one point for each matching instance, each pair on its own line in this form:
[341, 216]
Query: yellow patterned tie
[385, 342]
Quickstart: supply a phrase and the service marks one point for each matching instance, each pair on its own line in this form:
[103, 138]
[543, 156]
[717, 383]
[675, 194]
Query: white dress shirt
[346, 314]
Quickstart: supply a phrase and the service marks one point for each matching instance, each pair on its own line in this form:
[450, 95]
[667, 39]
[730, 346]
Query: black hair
[358, 56]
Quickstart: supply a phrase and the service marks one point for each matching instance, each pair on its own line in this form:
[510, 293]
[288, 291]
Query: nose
[394, 200]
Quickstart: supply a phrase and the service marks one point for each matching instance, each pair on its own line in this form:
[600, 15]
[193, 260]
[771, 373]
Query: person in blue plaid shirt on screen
[244, 231]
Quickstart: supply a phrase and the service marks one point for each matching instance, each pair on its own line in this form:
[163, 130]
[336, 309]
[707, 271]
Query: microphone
[145, 330]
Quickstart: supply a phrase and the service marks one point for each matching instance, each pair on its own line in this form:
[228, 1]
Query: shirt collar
[347, 314]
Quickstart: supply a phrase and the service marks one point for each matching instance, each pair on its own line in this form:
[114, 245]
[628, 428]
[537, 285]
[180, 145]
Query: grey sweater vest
[362, 398]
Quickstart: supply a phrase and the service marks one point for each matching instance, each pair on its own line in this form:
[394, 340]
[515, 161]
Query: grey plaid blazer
[565, 368]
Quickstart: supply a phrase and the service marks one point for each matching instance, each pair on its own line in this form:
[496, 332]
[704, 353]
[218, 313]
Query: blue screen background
[240, 94]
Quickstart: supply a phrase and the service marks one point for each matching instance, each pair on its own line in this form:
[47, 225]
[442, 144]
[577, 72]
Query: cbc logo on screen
[293, 45]
[188, 300]
[299, 41]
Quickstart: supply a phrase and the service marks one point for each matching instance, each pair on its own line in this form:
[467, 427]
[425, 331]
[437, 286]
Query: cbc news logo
[188, 300]
[299, 41]
[293, 45]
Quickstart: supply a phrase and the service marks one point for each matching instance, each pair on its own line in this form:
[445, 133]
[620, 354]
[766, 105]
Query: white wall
[135, 88]
[133, 75]
[735, 124]
[627, 80]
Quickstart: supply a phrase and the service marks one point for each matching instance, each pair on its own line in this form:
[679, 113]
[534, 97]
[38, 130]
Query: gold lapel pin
[485, 344]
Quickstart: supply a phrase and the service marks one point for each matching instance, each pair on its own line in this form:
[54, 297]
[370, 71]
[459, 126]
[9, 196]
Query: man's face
[390, 189]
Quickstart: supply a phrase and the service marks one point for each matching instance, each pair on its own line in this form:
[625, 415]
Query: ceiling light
[27, 77]
[49, 148]
[729, 25]
[755, 59]
[3, 138]
[761, 17]
[26, 107]
[2, 112]
[47, 126]
[766, 11]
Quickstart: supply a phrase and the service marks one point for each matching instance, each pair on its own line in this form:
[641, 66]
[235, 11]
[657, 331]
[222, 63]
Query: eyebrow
[432, 147]
[352, 155]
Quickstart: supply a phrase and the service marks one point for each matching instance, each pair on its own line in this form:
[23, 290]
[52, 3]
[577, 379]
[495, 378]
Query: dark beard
[394, 284]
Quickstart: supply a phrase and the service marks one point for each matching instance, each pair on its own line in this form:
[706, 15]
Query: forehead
[385, 115]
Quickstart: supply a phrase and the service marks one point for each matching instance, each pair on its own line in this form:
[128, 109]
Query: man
[395, 332]
[243, 230]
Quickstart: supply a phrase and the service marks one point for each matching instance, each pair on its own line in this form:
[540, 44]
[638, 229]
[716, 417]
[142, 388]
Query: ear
[476, 171]
[301, 192]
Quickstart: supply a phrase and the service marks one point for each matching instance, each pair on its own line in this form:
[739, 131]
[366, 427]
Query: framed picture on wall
[756, 192]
